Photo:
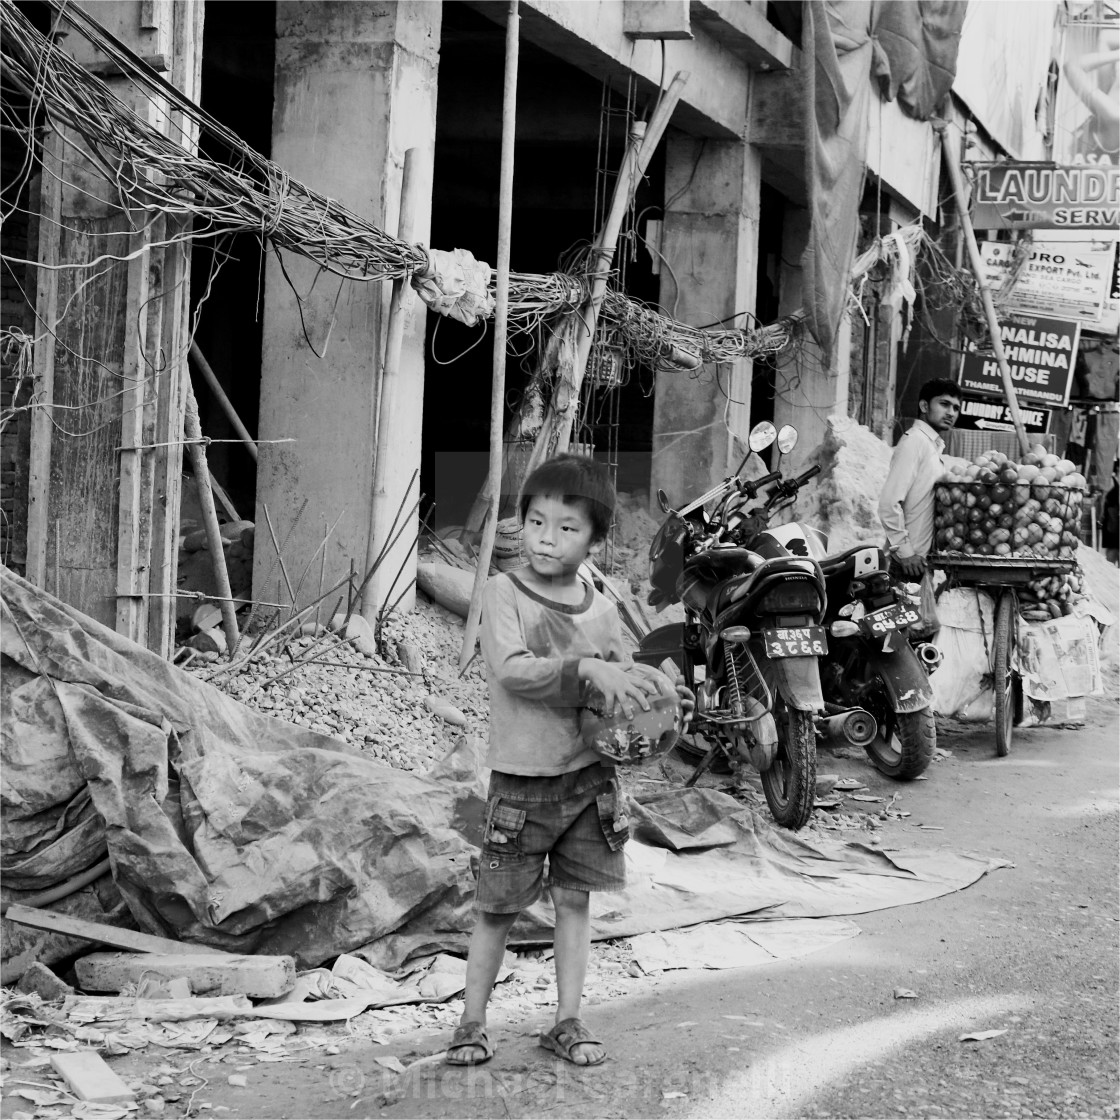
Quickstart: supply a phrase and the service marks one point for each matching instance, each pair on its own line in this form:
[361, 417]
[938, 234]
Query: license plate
[795, 641]
[894, 617]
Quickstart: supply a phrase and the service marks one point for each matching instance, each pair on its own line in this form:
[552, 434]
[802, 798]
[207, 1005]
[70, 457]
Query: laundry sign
[993, 414]
[1064, 280]
[1014, 195]
[1040, 351]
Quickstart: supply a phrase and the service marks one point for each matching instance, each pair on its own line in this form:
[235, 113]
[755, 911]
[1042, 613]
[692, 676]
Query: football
[622, 740]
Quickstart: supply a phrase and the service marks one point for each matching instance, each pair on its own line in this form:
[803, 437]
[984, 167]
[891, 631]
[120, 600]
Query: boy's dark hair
[575, 479]
[937, 387]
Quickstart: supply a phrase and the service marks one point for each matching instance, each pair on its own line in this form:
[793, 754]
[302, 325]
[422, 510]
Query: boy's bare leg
[571, 947]
[484, 958]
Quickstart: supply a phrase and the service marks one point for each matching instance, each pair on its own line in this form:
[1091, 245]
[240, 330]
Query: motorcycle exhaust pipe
[855, 726]
[929, 655]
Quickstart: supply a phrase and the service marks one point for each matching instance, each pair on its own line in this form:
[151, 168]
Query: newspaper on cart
[1059, 659]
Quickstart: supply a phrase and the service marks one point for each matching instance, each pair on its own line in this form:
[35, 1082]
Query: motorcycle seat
[705, 576]
[830, 565]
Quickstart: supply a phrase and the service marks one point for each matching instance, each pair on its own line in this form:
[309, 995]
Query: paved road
[1030, 950]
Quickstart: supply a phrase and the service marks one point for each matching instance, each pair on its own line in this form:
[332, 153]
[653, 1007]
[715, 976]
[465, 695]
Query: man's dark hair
[577, 480]
[937, 387]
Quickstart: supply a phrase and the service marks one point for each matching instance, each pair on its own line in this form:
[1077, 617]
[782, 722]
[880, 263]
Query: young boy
[546, 637]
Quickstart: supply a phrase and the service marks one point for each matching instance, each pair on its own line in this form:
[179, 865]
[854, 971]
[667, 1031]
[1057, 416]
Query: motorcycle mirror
[663, 501]
[762, 435]
[787, 438]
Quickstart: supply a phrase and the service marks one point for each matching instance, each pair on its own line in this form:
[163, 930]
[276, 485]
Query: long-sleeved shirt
[906, 503]
[532, 647]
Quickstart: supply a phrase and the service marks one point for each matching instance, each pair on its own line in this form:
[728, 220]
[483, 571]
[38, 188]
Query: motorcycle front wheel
[903, 747]
[790, 782]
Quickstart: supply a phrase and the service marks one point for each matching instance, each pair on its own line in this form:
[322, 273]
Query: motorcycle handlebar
[757, 484]
[804, 477]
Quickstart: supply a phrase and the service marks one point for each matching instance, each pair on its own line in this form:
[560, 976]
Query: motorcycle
[875, 681]
[752, 636]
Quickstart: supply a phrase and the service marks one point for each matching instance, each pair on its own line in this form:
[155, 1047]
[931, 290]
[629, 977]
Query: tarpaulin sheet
[910, 48]
[236, 830]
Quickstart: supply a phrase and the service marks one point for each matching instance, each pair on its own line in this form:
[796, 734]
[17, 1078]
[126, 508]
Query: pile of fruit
[1051, 596]
[997, 507]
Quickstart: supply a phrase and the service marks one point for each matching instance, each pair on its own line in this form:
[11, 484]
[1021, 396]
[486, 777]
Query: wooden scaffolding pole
[192, 429]
[501, 319]
[951, 158]
[211, 379]
[392, 391]
[555, 430]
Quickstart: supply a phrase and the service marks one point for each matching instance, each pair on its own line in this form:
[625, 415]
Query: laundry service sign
[1040, 352]
[1044, 196]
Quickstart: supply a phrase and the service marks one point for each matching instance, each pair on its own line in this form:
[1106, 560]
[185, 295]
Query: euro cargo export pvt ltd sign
[1040, 352]
[1044, 196]
[1068, 281]
[993, 414]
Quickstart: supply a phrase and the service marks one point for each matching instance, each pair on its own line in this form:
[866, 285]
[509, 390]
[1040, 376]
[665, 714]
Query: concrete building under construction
[801, 141]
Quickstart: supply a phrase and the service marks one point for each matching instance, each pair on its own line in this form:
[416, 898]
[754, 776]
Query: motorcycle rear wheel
[790, 782]
[903, 748]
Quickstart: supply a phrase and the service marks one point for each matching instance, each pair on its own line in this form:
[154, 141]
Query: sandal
[566, 1035]
[469, 1034]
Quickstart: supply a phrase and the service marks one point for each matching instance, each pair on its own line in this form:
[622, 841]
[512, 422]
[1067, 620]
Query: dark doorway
[227, 274]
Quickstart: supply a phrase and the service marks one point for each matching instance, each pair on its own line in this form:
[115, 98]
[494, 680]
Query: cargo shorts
[576, 821]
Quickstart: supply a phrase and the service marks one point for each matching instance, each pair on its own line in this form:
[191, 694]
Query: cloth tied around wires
[456, 285]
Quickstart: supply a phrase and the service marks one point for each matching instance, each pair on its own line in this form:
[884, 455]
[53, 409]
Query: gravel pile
[381, 704]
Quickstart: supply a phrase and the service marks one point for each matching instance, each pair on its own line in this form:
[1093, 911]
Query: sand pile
[634, 529]
[843, 500]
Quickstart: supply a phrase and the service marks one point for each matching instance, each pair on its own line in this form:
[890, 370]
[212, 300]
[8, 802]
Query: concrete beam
[656, 19]
[591, 36]
[777, 111]
[744, 28]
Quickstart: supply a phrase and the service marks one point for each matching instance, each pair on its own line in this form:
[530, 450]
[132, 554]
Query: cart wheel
[1003, 676]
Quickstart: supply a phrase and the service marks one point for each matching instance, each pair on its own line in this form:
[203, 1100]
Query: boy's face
[557, 537]
[941, 412]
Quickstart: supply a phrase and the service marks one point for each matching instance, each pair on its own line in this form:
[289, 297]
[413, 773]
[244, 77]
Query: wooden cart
[1001, 577]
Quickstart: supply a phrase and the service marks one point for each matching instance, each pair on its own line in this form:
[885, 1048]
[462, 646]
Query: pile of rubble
[405, 706]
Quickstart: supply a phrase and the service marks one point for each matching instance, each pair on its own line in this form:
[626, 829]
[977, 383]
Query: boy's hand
[619, 689]
[688, 703]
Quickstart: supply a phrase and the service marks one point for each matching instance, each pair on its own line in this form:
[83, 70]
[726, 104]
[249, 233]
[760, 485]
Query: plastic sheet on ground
[731, 944]
[232, 829]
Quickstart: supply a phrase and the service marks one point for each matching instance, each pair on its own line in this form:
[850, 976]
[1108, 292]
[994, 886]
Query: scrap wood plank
[264, 977]
[101, 1009]
[90, 1078]
[119, 938]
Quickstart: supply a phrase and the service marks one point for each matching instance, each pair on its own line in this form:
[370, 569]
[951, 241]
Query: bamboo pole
[557, 428]
[392, 390]
[211, 379]
[501, 318]
[192, 429]
[952, 166]
[638, 154]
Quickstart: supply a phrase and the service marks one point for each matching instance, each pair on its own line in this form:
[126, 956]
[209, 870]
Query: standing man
[906, 503]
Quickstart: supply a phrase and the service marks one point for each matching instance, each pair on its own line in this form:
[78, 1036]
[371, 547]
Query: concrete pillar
[807, 391]
[355, 87]
[710, 243]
